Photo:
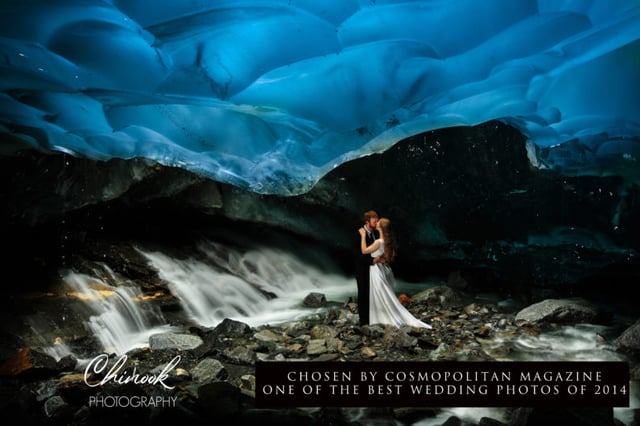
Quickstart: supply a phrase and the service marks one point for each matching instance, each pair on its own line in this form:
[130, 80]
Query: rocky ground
[211, 371]
[213, 379]
[504, 226]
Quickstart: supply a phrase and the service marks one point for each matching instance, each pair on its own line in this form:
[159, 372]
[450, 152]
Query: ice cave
[182, 183]
[272, 95]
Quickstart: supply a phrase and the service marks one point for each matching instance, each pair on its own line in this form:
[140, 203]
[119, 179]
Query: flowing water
[119, 316]
[262, 285]
[569, 343]
[258, 286]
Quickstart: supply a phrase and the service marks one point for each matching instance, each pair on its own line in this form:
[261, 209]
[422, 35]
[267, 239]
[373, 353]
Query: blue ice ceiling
[272, 95]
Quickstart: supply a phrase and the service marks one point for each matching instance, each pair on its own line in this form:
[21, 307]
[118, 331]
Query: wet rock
[46, 390]
[427, 342]
[232, 328]
[208, 370]
[295, 348]
[367, 352]
[567, 311]
[174, 341]
[373, 331]
[322, 331]
[482, 330]
[315, 300]
[267, 335]
[240, 355]
[73, 388]
[248, 384]
[629, 341]
[441, 295]
[327, 357]
[85, 346]
[56, 407]
[397, 338]
[453, 421]
[301, 339]
[295, 328]
[474, 309]
[67, 363]
[317, 346]
[29, 360]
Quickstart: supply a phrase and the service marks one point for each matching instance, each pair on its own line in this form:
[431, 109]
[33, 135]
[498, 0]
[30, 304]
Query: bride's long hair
[389, 240]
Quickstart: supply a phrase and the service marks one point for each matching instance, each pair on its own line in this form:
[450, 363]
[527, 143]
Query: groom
[363, 263]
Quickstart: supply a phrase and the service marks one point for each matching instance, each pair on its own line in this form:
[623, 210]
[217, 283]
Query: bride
[384, 306]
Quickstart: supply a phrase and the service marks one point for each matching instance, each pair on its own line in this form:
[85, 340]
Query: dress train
[384, 306]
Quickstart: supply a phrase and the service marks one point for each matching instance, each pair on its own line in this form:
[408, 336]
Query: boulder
[566, 311]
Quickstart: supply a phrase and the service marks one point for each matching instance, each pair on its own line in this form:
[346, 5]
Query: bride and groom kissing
[375, 251]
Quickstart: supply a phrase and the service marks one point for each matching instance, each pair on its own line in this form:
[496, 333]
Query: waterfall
[257, 286]
[229, 282]
[121, 320]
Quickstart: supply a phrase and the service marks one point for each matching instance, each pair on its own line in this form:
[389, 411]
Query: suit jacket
[365, 259]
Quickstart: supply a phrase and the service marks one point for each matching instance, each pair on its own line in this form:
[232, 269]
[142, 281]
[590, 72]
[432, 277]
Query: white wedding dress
[384, 306]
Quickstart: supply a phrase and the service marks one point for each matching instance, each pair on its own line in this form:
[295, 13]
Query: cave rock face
[272, 95]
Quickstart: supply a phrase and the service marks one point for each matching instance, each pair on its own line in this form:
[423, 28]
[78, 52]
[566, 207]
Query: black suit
[363, 263]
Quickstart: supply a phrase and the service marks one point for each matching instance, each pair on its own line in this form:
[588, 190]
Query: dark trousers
[362, 281]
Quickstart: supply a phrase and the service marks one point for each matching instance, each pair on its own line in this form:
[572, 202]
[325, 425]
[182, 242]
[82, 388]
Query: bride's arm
[363, 244]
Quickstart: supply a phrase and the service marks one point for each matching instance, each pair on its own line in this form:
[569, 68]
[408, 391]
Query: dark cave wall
[463, 200]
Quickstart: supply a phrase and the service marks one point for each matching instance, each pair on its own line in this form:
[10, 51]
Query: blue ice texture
[272, 95]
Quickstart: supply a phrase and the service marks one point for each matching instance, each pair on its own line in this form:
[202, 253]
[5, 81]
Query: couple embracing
[377, 301]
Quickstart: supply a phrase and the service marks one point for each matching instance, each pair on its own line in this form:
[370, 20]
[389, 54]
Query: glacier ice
[271, 95]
